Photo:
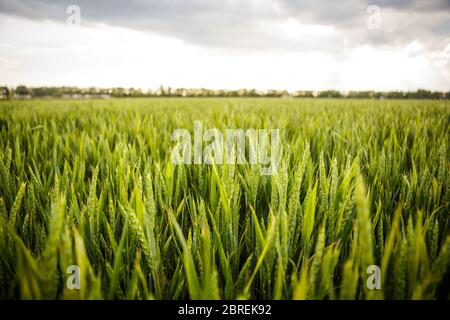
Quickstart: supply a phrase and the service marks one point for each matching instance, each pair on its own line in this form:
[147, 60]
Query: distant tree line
[23, 92]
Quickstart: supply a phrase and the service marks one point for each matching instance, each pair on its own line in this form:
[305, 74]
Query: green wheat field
[90, 183]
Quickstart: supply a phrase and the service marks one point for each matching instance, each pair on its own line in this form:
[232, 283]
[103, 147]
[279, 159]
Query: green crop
[90, 183]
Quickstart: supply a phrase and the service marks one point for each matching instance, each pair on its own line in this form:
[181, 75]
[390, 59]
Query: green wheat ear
[90, 183]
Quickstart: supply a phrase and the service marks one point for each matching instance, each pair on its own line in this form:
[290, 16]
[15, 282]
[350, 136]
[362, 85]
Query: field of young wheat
[88, 189]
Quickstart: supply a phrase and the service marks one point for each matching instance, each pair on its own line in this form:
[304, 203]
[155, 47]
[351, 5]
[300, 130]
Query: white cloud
[291, 55]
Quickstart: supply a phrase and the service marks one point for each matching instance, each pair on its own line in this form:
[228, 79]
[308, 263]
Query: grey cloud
[422, 5]
[247, 25]
[194, 21]
[340, 14]
[402, 20]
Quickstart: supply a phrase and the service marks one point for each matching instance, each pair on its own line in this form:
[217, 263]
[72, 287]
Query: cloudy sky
[279, 44]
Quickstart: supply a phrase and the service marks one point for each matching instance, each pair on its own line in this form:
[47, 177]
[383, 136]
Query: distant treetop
[23, 92]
